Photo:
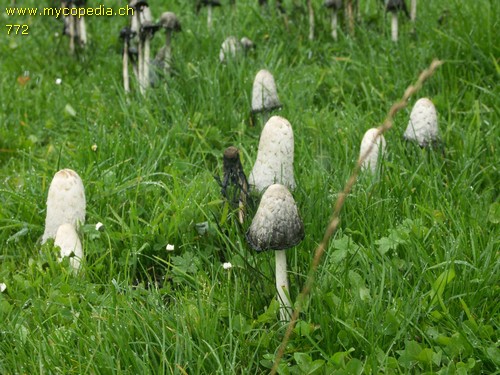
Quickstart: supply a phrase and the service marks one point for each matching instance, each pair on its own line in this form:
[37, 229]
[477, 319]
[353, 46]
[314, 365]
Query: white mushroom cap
[423, 125]
[274, 162]
[276, 224]
[379, 146]
[264, 93]
[65, 202]
[230, 48]
[70, 245]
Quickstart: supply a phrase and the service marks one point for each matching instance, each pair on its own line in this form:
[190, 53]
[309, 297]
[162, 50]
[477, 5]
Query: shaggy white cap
[276, 224]
[70, 245]
[274, 162]
[423, 124]
[230, 49]
[65, 202]
[379, 146]
[264, 93]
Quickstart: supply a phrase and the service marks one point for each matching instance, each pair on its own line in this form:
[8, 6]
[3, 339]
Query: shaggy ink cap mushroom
[276, 224]
[65, 202]
[264, 92]
[274, 163]
[370, 138]
[333, 4]
[423, 125]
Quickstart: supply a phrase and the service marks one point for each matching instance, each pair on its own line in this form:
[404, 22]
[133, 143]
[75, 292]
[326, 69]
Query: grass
[409, 283]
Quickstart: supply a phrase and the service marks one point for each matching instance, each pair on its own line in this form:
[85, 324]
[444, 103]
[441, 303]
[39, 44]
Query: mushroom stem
[413, 10]
[394, 26]
[311, 19]
[209, 17]
[350, 16]
[147, 53]
[168, 50]
[126, 80]
[282, 286]
[140, 70]
[82, 31]
[334, 24]
[72, 31]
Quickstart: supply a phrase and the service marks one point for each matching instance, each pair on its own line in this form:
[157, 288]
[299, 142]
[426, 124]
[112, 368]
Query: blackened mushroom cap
[136, 4]
[333, 4]
[276, 224]
[169, 21]
[149, 28]
[396, 5]
[126, 33]
[214, 3]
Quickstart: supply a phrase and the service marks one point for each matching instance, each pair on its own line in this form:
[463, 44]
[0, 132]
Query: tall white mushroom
[277, 226]
[274, 163]
[148, 30]
[334, 6]
[370, 138]
[68, 241]
[264, 93]
[126, 34]
[65, 202]
[209, 4]
[423, 125]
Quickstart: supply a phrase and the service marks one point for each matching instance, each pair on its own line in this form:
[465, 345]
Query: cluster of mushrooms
[276, 224]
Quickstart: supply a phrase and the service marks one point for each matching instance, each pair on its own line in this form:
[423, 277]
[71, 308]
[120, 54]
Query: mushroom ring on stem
[277, 226]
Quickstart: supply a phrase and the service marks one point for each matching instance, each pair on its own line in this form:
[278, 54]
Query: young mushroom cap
[65, 202]
[229, 49]
[423, 125]
[378, 147]
[264, 93]
[276, 224]
[169, 21]
[274, 163]
[68, 241]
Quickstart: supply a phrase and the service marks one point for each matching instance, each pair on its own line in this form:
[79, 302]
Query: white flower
[170, 247]
[99, 225]
[227, 265]
[2, 287]
[58, 81]
[94, 147]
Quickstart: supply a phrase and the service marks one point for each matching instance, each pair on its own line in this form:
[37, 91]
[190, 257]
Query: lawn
[408, 284]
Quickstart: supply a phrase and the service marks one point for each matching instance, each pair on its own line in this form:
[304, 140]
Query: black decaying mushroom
[234, 184]
[394, 6]
[126, 34]
[277, 226]
[334, 6]
[209, 4]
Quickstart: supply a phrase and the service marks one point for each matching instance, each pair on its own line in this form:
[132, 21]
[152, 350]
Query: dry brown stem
[335, 219]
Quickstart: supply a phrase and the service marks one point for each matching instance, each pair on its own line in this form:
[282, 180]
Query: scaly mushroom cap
[69, 242]
[379, 146]
[333, 4]
[229, 49]
[423, 125]
[169, 21]
[276, 224]
[264, 93]
[274, 162]
[65, 202]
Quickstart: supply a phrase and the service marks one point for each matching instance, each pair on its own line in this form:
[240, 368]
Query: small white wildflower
[227, 265]
[94, 147]
[170, 247]
[2, 287]
[99, 225]
[58, 81]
